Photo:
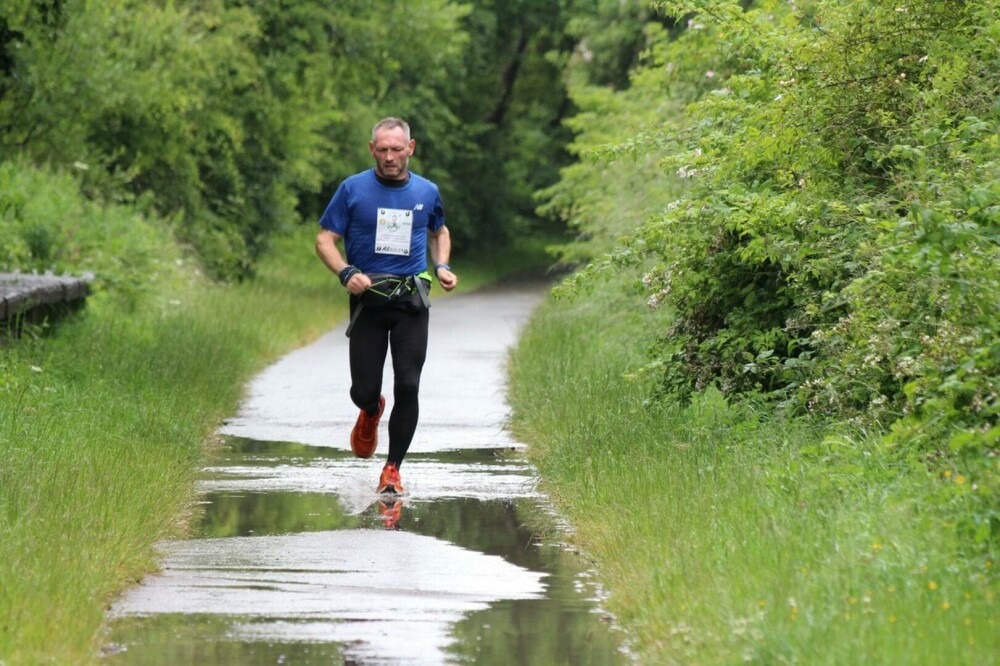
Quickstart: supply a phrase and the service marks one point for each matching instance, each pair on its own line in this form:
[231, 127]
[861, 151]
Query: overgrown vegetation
[233, 121]
[805, 197]
[725, 534]
[834, 247]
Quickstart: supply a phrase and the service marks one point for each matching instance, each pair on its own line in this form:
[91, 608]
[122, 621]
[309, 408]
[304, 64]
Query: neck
[393, 182]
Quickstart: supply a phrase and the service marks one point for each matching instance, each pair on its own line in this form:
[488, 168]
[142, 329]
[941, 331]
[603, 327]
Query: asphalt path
[354, 586]
[303, 398]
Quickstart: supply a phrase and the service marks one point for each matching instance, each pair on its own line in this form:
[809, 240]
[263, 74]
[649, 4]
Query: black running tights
[377, 331]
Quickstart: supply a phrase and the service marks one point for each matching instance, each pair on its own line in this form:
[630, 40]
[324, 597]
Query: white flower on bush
[904, 367]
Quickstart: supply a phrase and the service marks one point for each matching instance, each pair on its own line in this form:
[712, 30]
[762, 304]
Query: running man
[388, 218]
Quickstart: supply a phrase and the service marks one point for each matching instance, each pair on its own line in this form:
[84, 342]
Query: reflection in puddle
[276, 575]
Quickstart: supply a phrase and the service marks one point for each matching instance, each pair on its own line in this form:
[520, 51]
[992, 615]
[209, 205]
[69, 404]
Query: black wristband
[346, 274]
[444, 266]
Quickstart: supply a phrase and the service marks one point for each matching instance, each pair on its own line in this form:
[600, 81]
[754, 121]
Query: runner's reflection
[390, 511]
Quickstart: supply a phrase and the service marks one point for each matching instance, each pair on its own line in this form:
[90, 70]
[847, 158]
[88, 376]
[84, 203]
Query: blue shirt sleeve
[436, 218]
[336, 216]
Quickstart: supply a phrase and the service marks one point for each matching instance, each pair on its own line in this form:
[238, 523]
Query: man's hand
[358, 283]
[447, 279]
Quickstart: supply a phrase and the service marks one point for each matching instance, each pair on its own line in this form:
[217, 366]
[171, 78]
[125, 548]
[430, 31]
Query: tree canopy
[234, 119]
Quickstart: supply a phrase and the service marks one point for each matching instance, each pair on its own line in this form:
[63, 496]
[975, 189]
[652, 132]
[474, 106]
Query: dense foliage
[218, 116]
[836, 244]
[233, 120]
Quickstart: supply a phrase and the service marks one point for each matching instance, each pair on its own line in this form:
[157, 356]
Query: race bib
[394, 231]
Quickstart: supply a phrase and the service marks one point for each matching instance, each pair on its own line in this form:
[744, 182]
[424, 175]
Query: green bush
[47, 224]
[726, 533]
[836, 248]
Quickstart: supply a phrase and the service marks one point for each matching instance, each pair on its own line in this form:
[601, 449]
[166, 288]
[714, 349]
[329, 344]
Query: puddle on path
[292, 564]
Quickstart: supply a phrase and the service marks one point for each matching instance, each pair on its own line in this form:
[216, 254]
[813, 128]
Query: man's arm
[329, 254]
[439, 243]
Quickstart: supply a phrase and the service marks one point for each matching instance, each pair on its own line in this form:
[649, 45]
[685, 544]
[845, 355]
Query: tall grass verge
[727, 534]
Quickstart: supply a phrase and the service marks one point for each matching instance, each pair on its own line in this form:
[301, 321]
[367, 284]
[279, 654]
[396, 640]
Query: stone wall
[21, 293]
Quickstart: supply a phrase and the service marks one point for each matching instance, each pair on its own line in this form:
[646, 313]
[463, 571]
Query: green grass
[726, 534]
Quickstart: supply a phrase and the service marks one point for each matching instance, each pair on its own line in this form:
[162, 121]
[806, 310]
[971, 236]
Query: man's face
[392, 153]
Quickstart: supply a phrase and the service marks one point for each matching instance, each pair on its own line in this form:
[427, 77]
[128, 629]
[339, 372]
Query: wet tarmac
[297, 561]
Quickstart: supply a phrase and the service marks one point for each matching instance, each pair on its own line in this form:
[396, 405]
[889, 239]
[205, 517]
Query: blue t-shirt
[385, 228]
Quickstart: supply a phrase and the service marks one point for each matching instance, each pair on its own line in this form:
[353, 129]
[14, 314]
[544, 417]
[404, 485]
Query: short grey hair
[391, 123]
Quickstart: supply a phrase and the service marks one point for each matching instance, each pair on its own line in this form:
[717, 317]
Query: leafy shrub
[47, 224]
[837, 247]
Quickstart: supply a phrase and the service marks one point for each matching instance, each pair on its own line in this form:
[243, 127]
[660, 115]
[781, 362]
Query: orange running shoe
[390, 514]
[364, 436]
[390, 483]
